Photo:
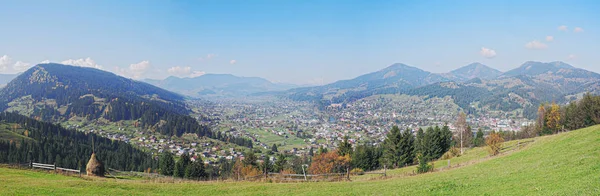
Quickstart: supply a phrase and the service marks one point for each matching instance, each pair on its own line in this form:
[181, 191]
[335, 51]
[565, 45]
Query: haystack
[95, 167]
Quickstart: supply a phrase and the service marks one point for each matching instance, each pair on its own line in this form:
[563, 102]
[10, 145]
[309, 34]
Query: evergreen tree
[167, 164]
[195, 170]
[274, 148]
[279, 163]
[406, 153]
[391, 145]
[344, 147]
[419, 147]
[478, 141]
[250, 159]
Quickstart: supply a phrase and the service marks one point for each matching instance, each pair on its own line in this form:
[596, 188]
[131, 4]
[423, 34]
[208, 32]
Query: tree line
[47, 143]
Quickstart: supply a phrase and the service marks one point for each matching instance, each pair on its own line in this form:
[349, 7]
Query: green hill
[562, 164]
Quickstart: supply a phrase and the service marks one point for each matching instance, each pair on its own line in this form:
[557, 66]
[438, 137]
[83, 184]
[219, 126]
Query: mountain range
[218, 85]
[524, 87]
[56, 91]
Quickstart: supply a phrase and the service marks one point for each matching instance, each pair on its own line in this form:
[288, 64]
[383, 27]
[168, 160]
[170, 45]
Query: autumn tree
[553, 118]
[329, 162]
[494, 142]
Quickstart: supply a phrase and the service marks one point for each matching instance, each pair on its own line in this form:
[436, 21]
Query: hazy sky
[295, 41]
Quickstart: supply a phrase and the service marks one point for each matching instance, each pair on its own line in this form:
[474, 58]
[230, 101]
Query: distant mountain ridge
[524, 87]
[62, 91]
[218, 85]
[471, 71]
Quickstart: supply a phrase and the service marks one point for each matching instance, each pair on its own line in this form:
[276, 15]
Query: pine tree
[392, 150]
[344, 147]
[279, 163]
[167, 164]
[406, 153]
[478, 141]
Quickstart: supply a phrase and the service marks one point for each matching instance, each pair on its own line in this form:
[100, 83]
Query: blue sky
[302, 42]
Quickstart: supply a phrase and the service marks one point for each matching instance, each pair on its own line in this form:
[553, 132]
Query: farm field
[562, 164]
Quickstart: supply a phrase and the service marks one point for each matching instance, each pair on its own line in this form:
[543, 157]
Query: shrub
[494, 142]
[357, 171]
[453, 152]
[423, 166]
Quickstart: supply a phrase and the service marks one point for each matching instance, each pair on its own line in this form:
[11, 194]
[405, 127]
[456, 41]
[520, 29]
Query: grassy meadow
[562, 164]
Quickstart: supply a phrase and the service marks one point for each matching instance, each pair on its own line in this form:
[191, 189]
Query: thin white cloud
[196, 74]
[549, 38]
[487, 53]
[45, 62]
[5, 61]
[184, 72]
[571, 57]
[135, 71]
[21, 66]
[563, 28]
[536, 45]
[87, 62]
[179, 71]
[578, 30]
[232, 62]
[208, 57]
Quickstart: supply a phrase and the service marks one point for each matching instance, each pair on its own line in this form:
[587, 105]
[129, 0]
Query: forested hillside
[57, 93]
[44, 142]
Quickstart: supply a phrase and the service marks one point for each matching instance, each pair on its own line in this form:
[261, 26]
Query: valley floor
[562, 164]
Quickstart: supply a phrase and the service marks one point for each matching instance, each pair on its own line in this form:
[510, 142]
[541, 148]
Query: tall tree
[344, 147]
[461, 126]
[279, 163]
[250, 159]
[391, 149]
[166, 164]
[406, 147]
[540, 123]
[553, 118]
[478, 141]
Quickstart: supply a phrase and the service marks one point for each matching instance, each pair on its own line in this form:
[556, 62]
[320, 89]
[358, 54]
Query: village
[297, 127]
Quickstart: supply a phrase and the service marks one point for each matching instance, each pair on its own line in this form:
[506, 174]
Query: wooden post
[30, 164]
[348, 173]
[54, 167]
[384, 170]
[80, 170]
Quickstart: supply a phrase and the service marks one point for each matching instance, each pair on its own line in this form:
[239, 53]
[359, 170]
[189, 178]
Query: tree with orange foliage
[553, 118]
[494, 142]
[329, 162]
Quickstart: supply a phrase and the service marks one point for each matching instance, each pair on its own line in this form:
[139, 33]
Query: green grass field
[563, 164]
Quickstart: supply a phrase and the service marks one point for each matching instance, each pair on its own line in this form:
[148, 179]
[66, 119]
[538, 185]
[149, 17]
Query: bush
[357, 171]
[453, 152]
[494, 142]
[423, 166]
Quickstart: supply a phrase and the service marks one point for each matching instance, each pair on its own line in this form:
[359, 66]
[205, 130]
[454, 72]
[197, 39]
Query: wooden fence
[53, 167]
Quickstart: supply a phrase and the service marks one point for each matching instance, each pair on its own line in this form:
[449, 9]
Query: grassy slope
[564, 164]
